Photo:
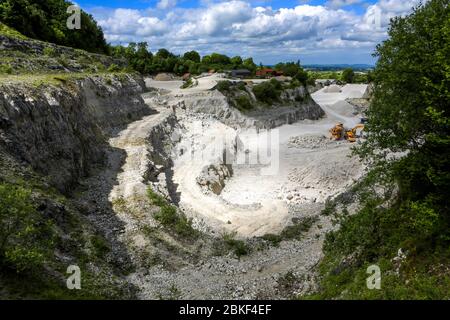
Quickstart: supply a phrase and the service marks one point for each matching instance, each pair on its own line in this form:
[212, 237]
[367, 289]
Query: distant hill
[337, 67]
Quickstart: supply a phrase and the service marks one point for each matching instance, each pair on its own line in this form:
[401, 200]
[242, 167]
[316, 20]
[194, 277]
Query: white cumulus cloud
[253, 28]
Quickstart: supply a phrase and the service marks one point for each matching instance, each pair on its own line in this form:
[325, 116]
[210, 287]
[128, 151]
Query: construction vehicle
[338, 132]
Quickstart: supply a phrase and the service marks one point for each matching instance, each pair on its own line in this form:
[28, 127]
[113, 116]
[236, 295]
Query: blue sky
[143, 4]
[314, 31]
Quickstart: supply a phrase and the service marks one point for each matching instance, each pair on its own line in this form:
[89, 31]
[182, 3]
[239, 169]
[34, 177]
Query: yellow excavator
[338, 132]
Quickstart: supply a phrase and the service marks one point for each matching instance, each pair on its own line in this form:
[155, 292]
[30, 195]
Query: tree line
[46, 20]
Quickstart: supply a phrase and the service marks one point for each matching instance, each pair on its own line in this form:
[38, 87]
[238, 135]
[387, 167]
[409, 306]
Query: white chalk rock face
[212, 177]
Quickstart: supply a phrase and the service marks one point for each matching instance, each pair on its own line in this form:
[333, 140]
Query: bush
[100, 245]
[187, 84]
[224, 86]
[239, 247]
[302, 76]
[49, 52]
[268, 91]
[167, 216]
[243, 103]
[241, 86]
[348, 75]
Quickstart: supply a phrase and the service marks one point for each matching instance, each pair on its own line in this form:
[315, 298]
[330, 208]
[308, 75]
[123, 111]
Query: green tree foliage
[46, 20]
[193, 56]
[236, 61]
[290, 69]
[404, 199]
[25, 236]
[249, 64]
[268, 91]
[348, 75]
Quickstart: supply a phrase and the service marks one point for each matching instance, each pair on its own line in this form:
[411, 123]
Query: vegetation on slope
[41, 233]
[46, 20]
[404, 199]
[10, 32]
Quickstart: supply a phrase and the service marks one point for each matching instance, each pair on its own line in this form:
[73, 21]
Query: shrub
[155, 198]
[63, 60]
[348, 75]
[187, 84]
[267, 92]
[167, 216]
[239, 247]
[224, 85]
[302, 76]
[243, 103]
[276, 84]
[49, 52]
[241, 86]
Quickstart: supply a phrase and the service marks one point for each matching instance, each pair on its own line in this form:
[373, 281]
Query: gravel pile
[311, 142]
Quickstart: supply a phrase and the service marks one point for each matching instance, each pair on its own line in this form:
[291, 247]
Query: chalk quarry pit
[274, 175]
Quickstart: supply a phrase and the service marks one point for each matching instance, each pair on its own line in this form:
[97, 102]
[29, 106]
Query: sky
[270, 31]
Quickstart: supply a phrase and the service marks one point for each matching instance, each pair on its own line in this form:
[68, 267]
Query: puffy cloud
[238, 27]
[166, 4]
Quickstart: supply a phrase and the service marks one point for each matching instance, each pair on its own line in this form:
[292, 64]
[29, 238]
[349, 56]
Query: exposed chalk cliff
[60, 130]
[294, 105]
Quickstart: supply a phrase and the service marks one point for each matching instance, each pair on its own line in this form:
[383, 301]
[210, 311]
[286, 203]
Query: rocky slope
[294, 104]
[52, 137]
[60, 130]
[20, 54]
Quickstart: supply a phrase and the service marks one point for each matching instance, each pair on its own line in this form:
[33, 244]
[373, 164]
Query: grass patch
[169, 217]
[49, 52]
[10, 32]
[293, 232]
[6, 69]
[228, 243]
[100, 246]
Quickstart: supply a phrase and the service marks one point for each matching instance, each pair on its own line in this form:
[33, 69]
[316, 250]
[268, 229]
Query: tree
[46, 20]
[409, 115]
[164, 54]
[192, 56]
[249, 64]
[236, 61]
[217, 58]
[268, 91]
[348, 75]
[289, 69]
[403, 200]
[302, 76]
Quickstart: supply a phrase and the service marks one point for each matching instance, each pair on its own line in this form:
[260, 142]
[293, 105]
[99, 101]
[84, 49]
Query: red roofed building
[268, 73]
